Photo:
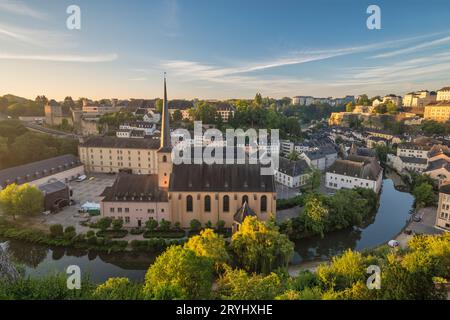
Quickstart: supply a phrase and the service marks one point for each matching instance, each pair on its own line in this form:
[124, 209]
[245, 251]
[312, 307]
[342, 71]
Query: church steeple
[165, 128]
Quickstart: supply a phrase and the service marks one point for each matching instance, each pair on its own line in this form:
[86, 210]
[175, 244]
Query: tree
[21, 200]
[159, 105]
[195, 225]
[343, 272]
[314, 179]
[56, 231]
[259, 246]
[117, 224]
[424, 195]
[391, 108]
[177, 116]
[349, 107]
[238, 285]
[182, 268]
[118, 289]
[363, 100]
[293, 156]
[258, 99]
[151, 224]
[164, 225]
[315, 215]
[104, 223]
[211, 245]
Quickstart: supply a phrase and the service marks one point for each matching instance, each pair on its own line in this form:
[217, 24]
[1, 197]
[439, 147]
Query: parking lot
[88, 190]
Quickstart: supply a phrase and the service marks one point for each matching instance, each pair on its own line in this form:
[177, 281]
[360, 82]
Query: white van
[81, 178]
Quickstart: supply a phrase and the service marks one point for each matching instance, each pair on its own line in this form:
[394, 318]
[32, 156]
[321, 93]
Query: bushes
[56, 231]
[136, 231]
[112, 233]
[117, 224]
[283, 204]
[155, 244]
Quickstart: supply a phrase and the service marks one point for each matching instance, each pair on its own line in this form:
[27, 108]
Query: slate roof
[439, 149]
[356, 166]
[220, 178]
[445, 189]
[135, 188]
[292, 168]
[120, 143]
[321, 153]
[437, 164]
[53, 186]
[37, 170]
[414, 160]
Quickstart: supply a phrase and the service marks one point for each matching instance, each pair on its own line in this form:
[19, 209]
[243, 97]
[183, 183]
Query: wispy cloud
[20, 8]
[60, 58]
[416, 48]
[34, 37]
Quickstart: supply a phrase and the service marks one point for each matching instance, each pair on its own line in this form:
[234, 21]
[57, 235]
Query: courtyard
[88, 190]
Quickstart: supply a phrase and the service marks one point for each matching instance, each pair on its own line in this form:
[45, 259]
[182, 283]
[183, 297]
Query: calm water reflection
[391, 217]
[389, 220]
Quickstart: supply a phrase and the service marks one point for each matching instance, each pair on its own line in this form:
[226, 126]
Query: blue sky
[222, 48]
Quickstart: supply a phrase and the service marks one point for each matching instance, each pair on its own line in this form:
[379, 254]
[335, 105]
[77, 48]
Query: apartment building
[438, 111]
[443, 209]
[114, 154]
[443, 94]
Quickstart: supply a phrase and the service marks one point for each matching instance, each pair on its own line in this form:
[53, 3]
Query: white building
[355, 171]
[292, 174]
[443, 94]
[146, 127]
[320, 158]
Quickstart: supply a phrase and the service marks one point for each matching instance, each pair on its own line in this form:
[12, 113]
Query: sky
[219, 49]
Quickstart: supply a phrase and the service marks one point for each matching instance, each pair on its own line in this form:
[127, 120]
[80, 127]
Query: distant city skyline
[222, 50]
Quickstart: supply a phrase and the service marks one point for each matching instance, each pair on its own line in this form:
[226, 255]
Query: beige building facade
[439, 111]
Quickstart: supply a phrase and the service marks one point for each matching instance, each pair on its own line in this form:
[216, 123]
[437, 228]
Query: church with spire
[209, 193]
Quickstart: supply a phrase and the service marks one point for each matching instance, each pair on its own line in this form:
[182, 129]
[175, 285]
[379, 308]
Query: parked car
[393, 243]
[81, 178]
[416, 218]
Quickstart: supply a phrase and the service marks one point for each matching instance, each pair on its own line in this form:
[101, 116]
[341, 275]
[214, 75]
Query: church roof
[220, 178]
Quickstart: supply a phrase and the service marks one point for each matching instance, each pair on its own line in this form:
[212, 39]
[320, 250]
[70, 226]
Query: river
[391, 217]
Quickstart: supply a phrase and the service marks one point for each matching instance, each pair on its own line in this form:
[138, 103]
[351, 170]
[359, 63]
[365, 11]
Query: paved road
[41, 129]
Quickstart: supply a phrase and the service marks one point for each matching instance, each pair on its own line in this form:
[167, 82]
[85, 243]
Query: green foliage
[259, 246]
[315, 215]
[164, 225]
[117, 224]
[195, 225]
[424, 195]
[343, 272]
[56, 231]
[238, 285]
[23, 146]
[104, 223]
[151, 224]
[180, 267]
[22, 200]
[51, 287]
[314, 178]
[220, 225]
[118, 289]
[434, 127]
[211, 245]
[294, 156]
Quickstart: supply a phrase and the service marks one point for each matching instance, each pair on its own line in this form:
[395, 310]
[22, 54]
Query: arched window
[263, 204]
[189, 204]
[164, 158]
[245, 199]
[207, 204]
[226, 203]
